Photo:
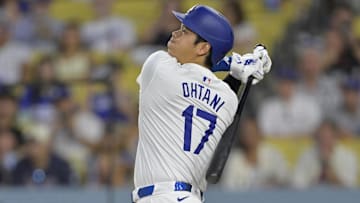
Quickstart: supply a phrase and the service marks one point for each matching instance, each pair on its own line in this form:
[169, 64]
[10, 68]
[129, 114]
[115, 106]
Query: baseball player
[184, 108]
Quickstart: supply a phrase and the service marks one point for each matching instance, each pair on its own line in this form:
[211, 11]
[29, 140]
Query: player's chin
[170, 49]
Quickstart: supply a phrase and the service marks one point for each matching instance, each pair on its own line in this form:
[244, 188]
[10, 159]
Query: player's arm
[233, 83]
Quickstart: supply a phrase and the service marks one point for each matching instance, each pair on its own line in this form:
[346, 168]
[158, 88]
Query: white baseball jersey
[183, 112]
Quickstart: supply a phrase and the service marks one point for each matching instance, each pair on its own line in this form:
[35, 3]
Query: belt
[164, 187]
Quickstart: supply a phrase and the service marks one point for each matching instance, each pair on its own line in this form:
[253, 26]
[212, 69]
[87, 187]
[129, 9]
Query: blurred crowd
[66, 117]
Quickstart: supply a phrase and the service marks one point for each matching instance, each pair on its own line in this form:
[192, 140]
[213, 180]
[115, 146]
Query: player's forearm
[233, 83]
[224, 65]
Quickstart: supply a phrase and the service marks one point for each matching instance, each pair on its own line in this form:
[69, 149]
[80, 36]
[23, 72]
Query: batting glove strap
[223, 65]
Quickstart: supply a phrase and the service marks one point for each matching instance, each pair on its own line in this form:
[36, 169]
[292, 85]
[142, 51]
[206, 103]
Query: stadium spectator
[244, 32]
[108, 166]
[341, 17]
[43, 29]
[74, 124]
[160, 31]
[347, 116]
[39, 97]
[343, 51]
[326, 162]
[273, 5]
[334, 46]
[8, 110]
[289, 113]
[256, 164]
[8, 115]
[314, 83]
[72, 64]
[14, 57]
[19, 26]
[113, 104]
[107, 33]
[40, 166]
[8, 154]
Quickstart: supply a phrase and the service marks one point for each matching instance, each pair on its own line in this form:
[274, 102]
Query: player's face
[182, 46]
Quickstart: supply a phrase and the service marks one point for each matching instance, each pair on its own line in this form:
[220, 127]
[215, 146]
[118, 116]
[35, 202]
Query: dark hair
[7, 95]
[342, 6]
[72, 25]
[327, 122]
[15, 133]
[208, 61]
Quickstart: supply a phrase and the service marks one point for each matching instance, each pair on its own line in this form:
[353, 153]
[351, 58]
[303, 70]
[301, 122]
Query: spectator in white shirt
[14, 58]
[256, 164]
[107, 33]
[289, 113]
[72, 64]
[43, 29]
[326, 162]
[347, 116]
[314, 83]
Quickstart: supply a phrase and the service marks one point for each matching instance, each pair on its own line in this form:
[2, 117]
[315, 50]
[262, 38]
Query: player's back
[184, 110]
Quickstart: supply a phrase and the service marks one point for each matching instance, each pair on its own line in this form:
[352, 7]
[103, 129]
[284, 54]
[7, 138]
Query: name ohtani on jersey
[203, 94]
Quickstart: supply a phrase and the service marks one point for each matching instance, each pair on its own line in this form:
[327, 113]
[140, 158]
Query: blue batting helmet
[210, 25]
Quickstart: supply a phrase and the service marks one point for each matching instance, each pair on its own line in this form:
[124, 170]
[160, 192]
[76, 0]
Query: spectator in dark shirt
[40, 166]
[39, 97]
[342, 54]
[8, 114]
[347, 116]
[8, 154]
[8, 109]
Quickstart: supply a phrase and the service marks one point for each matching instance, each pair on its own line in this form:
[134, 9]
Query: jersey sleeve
[151, 65]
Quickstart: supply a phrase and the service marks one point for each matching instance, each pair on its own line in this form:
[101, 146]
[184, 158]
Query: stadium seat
[291, 148]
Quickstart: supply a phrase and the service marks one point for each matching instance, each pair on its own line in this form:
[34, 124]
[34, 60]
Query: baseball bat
[223, 149]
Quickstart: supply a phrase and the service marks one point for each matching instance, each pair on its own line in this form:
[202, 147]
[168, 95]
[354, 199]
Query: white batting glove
[261, 52]
[242, 67]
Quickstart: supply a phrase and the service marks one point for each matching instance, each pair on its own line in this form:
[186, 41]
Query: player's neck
[200, 61]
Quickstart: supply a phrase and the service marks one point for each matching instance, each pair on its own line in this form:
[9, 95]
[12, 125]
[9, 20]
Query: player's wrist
[242, 67]
[223, 65]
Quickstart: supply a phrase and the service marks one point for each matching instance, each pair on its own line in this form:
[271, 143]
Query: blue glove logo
[249, 62]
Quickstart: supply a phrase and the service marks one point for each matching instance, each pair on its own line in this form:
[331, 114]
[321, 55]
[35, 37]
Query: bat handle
[222, 151]
[245, 94]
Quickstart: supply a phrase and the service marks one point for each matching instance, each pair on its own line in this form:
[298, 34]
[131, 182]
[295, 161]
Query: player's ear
[203, 48]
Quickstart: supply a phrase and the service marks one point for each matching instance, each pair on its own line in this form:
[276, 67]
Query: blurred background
[68, 98]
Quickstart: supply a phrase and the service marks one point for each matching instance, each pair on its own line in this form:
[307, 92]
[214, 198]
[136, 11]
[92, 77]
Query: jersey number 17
[188, 114]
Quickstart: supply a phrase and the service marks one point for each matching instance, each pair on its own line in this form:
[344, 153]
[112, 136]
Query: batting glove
[242, 67]
[261, 52]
